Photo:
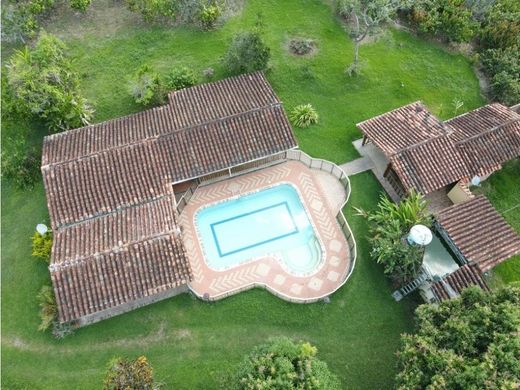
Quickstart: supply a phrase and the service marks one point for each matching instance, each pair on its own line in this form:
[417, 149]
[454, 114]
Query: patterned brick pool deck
[267, 271]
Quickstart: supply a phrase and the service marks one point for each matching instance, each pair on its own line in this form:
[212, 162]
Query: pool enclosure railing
[310, 162]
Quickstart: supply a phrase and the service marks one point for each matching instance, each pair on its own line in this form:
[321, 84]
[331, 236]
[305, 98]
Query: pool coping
[258, 258]
[347, 253]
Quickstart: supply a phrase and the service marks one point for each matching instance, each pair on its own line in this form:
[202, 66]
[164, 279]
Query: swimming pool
[271, 222]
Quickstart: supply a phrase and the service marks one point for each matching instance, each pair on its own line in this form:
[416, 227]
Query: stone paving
[267, 271]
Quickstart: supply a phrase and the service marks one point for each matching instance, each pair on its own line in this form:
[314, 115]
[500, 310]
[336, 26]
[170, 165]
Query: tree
[470, 342]
[283, 364]
[43, 84]
[451, 18]
[126, 374]
[503, 68]
[366, 16]
[247, 53]
[388, 226]
[501, 25]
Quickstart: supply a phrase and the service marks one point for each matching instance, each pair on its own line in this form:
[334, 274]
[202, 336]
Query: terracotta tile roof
[481, 120]
[430, 165]
[428, 154]
[487, 151]
[110, 195]
[457, 281]
[482, 236]
[400, 128]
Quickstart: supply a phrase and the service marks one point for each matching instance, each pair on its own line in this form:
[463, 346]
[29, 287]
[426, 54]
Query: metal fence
[185, 198]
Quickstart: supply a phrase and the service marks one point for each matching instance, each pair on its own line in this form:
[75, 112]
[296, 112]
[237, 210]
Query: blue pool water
[271, 221]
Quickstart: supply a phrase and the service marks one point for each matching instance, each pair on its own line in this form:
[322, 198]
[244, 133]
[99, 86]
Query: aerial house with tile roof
[124, 198]
[414, 150]
[111, 190]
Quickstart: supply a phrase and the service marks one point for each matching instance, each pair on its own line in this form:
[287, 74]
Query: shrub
[388, 225]
[503, 68]
[80, 5]
[20, 163]
[209, 15]
[283, 364]
[125, 374]
[501, 26]
[21, 19]
[42, 245]
[60, 331]
[181, 77]
[247, 53]
[208, 73]
[470, 342]
[301, 46]
[303, 116]
[450, 18]
[153, 10]
[147, 88]
[48, 307]
[43, 83]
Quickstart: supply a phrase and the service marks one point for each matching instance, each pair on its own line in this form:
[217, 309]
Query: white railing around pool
[312, 163]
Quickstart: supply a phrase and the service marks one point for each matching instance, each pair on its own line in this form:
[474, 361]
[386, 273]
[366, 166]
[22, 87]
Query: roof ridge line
[474, 136]
[423, 142]
[112, 212]
[395, 109]
[53, 267]
[155, 137]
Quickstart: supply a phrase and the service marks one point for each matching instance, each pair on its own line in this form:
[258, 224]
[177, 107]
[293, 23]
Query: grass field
[192, 344]
[503, 190]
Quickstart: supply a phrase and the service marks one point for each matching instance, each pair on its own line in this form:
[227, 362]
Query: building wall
[126, 307]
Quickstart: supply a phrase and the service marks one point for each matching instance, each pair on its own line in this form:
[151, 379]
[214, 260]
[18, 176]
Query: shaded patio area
[322, 195]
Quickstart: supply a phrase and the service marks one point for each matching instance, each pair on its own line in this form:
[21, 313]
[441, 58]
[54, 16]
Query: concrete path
[359, 165]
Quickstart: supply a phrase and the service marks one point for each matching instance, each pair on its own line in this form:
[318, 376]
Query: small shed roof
[479, 232]
[454, 283]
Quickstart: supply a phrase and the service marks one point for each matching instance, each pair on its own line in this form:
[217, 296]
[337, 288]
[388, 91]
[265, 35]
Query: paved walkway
[359, 165]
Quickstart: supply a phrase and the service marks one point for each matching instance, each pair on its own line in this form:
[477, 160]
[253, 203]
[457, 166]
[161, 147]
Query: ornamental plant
[20, 163]
[147, 87]
[41, 246]
[209, 14]
[283, 364]
[126, 374]
[181, 77]
[303, 116]
[388, 225]
[48, 308]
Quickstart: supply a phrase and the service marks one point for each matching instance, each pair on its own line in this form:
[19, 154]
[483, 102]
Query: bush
[60, 331]
[469, 342]
[503, 68]
[180, 78]
[246, 53]
[208, 73]
[388, 225]
[125, 374]
[147, 88]
[283, 364]
[301, 46]
[209, 15]
[303, 116]
[48, 307]
[43, 83]
[501, 26]
[42, 246]
[153, 10]
[449, 18]
[20, 163]
[80, 5]
[21, 19]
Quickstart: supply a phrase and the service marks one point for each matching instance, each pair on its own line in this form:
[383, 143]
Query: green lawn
[503, 190]
[190, 343]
